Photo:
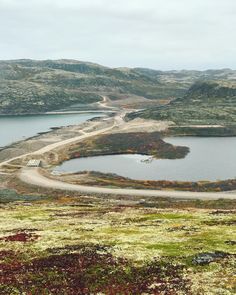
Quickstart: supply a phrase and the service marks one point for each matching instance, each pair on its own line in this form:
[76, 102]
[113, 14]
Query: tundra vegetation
[29, 86]
[208, 108]
[128, 143]
[87, 245]
[54, 242]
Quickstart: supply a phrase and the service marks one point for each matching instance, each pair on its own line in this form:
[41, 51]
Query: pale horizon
[156, 34]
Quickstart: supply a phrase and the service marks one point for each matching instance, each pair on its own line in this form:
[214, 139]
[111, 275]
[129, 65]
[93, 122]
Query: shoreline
[50, 129]
[73, 130]
[117, 123]
[57, 113]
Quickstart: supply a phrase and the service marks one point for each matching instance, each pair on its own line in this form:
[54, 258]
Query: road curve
[32, 176]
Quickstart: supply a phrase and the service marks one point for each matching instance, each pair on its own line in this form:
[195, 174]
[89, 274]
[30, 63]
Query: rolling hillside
[207, 103]
[28, 86]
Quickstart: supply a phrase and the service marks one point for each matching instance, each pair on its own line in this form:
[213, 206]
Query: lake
[15, 128]
[212, 158]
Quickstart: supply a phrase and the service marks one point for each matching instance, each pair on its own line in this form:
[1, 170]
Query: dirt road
[104, 104]
[32, 176]
[118, 120]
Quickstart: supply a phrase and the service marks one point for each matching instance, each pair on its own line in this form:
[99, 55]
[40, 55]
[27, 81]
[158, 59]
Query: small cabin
[34, 163]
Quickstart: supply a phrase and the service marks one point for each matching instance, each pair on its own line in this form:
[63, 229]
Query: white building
[34, 163]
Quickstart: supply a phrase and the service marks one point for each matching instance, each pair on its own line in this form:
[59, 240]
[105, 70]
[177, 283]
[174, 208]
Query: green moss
[120, 231]
[167, 216]
[170, 249]
[212, 240]
[133, 232]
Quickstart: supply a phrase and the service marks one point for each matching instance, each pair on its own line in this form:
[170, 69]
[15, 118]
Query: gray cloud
[162, 34]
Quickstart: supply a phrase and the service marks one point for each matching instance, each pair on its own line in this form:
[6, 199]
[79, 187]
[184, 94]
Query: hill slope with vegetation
[28, 86]
[206, 104]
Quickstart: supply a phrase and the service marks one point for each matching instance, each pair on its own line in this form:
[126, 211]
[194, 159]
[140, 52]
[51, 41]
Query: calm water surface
[209, 159]
[14, 128]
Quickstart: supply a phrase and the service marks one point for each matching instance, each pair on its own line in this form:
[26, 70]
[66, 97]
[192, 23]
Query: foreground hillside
[208, 103]
[28, 86]
[86, 245]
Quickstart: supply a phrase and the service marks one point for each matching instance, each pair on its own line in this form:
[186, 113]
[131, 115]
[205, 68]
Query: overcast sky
[160, 34]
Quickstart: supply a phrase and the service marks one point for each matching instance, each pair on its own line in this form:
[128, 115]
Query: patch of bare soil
[142, 125]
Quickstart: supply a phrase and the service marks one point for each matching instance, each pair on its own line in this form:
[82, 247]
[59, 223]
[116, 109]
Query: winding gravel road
[32, 176]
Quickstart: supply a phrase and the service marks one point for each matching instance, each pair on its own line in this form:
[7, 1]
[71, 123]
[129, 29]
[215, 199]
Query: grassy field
[81, 245]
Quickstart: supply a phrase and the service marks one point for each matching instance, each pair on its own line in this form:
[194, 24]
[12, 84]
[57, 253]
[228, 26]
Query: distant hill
[28, 86]
[205, 103]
